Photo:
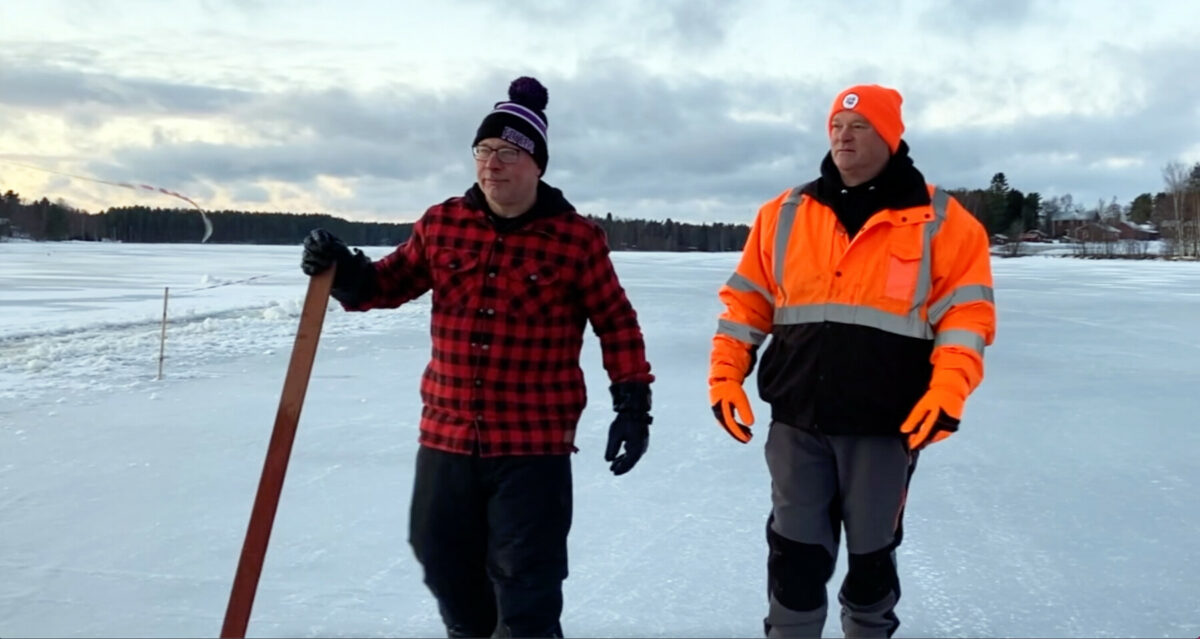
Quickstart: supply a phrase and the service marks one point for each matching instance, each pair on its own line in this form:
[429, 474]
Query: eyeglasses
[507, 154]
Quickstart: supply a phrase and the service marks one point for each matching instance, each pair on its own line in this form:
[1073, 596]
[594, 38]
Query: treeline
[642, 235]
[53, 221]
[1003, 210]
[43, 220]
[1006, 210]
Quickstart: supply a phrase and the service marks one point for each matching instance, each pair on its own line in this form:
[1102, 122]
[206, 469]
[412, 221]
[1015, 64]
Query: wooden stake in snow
[162, 340]
[266, 502]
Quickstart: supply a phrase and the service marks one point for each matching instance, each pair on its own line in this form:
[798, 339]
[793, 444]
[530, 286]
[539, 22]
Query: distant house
[1035, 235]
[1131, 231]
[1095, 232]
[999, 239]
[1066, 227]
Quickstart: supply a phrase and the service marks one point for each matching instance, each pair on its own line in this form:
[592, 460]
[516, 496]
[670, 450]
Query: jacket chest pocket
[902, 269]
[455, 277]
[535, 289]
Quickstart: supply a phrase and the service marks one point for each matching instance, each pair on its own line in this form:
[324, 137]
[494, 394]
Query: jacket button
[479, 417]
[839, 273]
[533, 277]
[484, 347]
[491, 311]
[903, 219]
[491, 273]
[478, 382]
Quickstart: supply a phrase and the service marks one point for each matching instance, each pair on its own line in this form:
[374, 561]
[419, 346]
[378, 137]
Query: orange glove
[726, 397]
[935, 417]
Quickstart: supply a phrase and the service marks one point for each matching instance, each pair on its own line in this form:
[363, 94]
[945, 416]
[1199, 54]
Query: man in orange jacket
[876, 290]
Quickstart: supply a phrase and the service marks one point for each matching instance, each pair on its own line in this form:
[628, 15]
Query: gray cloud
[698, 24]
[957, 13]
[50, 88]
[1030, 152]
[691, 25]
[389, 134]
[951, 16]
[249, 7]
[252, 193]
[617, 134]
[645, 137]
[622, 139]
[540, 11]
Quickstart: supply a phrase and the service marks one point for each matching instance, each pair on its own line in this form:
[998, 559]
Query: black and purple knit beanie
[521, 120]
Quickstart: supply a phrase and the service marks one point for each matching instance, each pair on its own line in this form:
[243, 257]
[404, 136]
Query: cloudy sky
[696, 110]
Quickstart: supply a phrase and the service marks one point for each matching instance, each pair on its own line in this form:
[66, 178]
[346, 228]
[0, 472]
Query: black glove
[631, 427]
[354, 282]
[322, 249]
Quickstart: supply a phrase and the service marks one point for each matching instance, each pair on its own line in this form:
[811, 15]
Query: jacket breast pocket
[535, 289]
[902, 271]
[455, 277]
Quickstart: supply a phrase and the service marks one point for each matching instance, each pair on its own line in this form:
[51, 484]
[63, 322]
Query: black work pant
[820, 483]
[491, 534]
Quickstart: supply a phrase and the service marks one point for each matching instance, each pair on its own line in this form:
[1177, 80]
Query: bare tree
[1012, 248]
[1135, 248]
[1051, 210]
[1175, 176]
[1114, 212]
[1193, 185]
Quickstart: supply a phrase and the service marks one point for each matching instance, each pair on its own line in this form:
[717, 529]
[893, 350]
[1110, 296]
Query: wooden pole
[279, 450]
[162, 340]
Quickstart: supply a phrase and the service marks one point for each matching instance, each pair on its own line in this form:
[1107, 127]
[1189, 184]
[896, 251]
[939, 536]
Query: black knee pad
[871, 577]
[797, 572]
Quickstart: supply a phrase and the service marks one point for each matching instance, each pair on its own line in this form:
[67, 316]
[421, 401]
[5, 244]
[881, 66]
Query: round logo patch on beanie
[850, 101]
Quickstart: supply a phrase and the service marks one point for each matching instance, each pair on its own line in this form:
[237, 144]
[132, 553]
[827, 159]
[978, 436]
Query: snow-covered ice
[1067, 506]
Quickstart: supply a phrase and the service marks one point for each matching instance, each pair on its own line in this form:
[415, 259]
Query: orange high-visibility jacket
[858, 326]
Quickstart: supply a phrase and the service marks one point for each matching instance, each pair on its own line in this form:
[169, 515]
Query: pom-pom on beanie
[521, 120]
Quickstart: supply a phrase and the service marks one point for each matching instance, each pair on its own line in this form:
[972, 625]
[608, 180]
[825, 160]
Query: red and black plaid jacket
[509, 310]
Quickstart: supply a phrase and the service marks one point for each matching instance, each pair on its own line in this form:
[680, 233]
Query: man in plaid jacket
[516, 275]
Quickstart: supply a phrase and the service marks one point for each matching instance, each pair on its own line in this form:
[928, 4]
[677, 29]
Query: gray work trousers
[820, 483]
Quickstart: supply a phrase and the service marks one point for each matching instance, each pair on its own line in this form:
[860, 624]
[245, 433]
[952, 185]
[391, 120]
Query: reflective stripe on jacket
[857, 325]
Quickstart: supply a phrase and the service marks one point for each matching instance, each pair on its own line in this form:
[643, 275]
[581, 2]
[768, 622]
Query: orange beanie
[879, 105]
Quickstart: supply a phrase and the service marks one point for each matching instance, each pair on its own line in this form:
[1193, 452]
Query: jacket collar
[899, 186]
[550, 203]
